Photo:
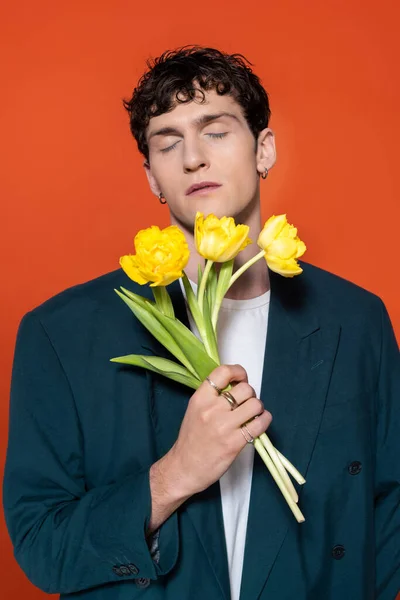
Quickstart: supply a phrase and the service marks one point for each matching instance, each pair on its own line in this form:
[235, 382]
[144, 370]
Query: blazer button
[117, 571]
[338, 552]
[125, 570]
[354, 467]
[133, 569]
[142, 582]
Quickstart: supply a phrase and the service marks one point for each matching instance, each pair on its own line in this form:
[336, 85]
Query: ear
[266, 152]
[151, 179]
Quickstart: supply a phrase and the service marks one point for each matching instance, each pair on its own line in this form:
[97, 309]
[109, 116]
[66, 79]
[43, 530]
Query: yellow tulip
[219, 240]
[281, 246]
[161, 256]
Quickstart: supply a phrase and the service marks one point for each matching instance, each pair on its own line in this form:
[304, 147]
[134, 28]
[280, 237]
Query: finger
[247, 411]
[224, 374]
[242, 392]
[255, 427]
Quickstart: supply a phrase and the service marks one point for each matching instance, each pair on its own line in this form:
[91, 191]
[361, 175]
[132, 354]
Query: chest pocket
[349, 412]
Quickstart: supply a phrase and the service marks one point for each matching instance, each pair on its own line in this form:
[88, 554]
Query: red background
[73, 192]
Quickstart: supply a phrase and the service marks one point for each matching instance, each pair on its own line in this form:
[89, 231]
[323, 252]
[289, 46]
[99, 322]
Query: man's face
[208, 145]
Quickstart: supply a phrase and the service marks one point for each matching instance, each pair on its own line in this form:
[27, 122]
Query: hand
[210, 438]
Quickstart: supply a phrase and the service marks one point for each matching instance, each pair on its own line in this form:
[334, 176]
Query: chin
[219, 207]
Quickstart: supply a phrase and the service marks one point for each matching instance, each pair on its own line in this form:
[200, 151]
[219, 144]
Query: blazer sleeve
[67, 538]
[387, 482]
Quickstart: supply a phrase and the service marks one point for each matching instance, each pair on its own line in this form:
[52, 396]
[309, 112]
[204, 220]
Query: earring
[265, 174]
[161, 198]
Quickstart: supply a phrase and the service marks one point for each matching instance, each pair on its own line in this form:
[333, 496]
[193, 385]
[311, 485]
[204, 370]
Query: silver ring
[231, 400]
[247, 436]
[214, 385]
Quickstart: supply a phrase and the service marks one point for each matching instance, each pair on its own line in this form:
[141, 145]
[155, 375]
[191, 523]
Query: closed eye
[212, 135]
[169, 147]
[217, 135]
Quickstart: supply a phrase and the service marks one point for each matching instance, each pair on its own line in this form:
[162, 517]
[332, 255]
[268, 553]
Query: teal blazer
[84, 433]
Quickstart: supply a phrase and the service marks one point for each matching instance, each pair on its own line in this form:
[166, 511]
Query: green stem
[202, 287]
[291, 469]
[259, 446]
[244, 268]
[278, 464]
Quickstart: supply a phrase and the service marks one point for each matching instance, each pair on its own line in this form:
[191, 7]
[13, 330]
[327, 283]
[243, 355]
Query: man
[119, 485]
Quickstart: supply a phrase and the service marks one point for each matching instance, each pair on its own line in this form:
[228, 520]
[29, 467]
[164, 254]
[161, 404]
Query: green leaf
[199, 275]
[192, 303]
[145, 311]
[224, 278]
[208, 340]
[136, 297]
[163, 300]
[161, 366]
[191, 346]
[210, 331]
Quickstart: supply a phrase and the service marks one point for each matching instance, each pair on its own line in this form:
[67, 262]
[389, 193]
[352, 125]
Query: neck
[253, 282]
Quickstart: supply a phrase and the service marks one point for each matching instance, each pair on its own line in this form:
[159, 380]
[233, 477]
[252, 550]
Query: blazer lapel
[299, 357]
[168, 406]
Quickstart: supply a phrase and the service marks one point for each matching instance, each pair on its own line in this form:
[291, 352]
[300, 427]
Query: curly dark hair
[170, 79]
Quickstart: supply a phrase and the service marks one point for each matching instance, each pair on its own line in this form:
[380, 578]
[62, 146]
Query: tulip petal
[219, 240]
[161, 256]
[301, 248]
[288, 268]
[129, 266]
[282, 248]
[271, 230]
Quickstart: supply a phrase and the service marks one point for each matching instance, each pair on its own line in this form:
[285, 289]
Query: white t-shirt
[241, 332]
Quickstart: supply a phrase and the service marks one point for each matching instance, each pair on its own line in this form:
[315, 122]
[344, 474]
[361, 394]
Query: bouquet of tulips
[160, 259]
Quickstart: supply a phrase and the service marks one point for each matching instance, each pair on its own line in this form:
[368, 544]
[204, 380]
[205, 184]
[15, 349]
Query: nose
[194, 156]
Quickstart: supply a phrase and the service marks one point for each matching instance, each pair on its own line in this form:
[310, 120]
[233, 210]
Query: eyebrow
[199, 122]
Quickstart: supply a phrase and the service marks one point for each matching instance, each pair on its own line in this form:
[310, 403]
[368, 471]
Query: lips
[202, 186]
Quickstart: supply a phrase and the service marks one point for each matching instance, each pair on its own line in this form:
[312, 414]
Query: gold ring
[231, 399]
[214, 385]
[247, 436]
